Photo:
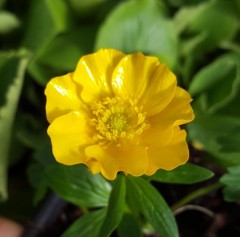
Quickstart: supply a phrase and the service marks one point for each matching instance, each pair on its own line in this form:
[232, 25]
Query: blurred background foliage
[40, 39]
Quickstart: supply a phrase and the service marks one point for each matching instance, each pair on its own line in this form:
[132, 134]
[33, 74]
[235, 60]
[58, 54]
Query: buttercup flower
[118, 112]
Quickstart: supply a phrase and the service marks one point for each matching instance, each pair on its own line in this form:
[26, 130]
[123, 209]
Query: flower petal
[157, 134]
[160, 91]
[70, 134]
[169, 156]
[94, 166]
[129, 159]
[94, 73]
[178, 111]
[131, 76]
[62, 96]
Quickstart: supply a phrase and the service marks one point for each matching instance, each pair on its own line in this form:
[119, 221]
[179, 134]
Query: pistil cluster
[116, 118]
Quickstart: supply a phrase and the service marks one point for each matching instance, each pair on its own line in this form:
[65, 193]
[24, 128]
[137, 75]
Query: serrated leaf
[231, 181]
[77, 185]
[87, 225]
[153, 206]
[184, 174]
[8, 111]
[140, 26]
[115, 208]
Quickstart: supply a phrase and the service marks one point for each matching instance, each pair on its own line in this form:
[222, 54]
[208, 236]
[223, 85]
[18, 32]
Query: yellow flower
[118, 112]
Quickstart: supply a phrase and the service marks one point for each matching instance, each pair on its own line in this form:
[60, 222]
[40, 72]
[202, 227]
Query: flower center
[116, 118]
[118, 122]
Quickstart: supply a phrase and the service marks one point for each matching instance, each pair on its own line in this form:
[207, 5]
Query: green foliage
[115, 208]
[12, 68]
[216, 88]
[8, 22]
[147, 28]
[218, 83]
[211, 131]
[85, 7]
[152, 206]
[231, 181]
[206, 19]
[129, 227]
[48, 18]
[77, 185]
[79, 41]
[87, 225]
[185, 174]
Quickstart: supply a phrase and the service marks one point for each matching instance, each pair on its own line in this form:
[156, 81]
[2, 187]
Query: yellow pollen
[116, 118]
[118, 122]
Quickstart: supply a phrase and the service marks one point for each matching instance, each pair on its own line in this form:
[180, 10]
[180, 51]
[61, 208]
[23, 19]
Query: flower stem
[198, 193]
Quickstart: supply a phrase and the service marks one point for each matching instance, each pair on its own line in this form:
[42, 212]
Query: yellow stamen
[116, 118]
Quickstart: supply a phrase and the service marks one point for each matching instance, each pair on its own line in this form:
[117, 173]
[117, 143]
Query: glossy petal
[157, 134]
[160, 90]
[62, 96]
[94, 73]
[178, 111]
[129, 159]
[94, 166]
[169, 156]
[131, 76]
[118, 113]
[70, 134]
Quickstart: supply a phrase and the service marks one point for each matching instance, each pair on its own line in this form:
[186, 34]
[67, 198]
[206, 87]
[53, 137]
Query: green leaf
[37, 180]
[47, 19]
[185, 15]
[87, 225]
[2, 3]
[231, 181]
[218, 83]
[8, 22]
[129, 227]
[140, 25]
[184, 174]
[79, 42]
[30, 131]
[43, 157]
[77, 185]
[179, 3]
[207, 17]
[84, 7]
[8, 110]
[210, 131]
[153, 206]
[115, 209]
